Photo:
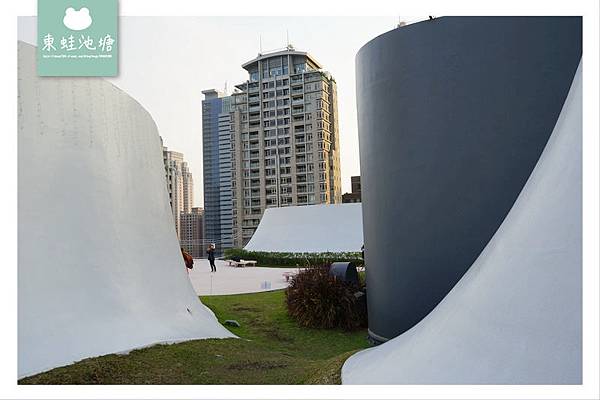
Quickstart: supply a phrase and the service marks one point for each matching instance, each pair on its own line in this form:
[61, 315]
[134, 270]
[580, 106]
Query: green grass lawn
[272, 349]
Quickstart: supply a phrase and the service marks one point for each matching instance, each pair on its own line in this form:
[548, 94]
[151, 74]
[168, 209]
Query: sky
[166, 62]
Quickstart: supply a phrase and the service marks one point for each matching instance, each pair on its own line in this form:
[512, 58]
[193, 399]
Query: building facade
[191, 235]
[216, 143]
[354, 196]
[274, 142]
[180, 185]
[284, 138]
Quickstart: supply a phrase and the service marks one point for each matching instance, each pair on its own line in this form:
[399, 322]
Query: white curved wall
[100, 269]
[515, 316]
[309, 229]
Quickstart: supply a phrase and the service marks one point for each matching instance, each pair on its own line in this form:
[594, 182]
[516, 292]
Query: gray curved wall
[453, 115]
[514, 317]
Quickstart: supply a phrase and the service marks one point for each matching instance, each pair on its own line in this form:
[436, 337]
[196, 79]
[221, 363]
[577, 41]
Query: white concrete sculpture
[100, 270]
[312, 229]
[515, 316]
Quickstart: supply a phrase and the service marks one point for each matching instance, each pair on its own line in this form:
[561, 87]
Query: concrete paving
[232, 280]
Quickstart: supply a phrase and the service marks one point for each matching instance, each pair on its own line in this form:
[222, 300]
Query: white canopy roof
[313, 229]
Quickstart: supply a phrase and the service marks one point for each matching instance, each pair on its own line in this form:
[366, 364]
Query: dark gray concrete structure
[453, 116]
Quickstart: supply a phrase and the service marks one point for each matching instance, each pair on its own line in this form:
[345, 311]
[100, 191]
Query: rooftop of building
[289, 50]
[212, 94]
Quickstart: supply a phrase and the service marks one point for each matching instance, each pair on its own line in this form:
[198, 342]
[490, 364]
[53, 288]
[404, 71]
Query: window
[299, 68]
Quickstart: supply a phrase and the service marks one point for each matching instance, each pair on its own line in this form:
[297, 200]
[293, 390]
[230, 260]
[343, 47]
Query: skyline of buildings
[180, 185]
[273, 142]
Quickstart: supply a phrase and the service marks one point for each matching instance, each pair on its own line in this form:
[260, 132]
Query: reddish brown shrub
[317, 300]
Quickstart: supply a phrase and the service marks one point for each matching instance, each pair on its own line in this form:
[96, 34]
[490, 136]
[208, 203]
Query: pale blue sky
[166, 62]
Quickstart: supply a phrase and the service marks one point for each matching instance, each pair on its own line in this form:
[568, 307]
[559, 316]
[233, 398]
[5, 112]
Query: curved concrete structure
[309, 229]
[100, 269]
[515, 316]
[453, 115]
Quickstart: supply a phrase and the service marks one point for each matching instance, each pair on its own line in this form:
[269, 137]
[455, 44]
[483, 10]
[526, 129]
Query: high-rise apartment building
[180, 185]
[283, 143]
[191, 235]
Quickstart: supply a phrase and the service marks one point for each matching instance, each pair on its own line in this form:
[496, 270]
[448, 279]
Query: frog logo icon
[77, 20]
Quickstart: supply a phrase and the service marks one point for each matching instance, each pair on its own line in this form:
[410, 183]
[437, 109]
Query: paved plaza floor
[232, 280]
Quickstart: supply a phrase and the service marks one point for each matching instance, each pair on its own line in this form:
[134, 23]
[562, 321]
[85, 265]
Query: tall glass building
[217, 169]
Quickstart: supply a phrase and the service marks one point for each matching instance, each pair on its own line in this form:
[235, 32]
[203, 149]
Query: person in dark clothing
[211, 257]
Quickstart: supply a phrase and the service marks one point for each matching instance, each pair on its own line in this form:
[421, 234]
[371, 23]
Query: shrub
[317, 300]
[282, 259]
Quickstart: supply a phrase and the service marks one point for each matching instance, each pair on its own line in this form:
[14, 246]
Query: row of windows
[280, 121]
[275, 93]
[279, 102]
[301, 199]
[278, 113]
[278, 83]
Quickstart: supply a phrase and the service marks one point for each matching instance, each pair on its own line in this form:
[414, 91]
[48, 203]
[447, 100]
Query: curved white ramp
[515, 316]
[100, 269]
[309, 229]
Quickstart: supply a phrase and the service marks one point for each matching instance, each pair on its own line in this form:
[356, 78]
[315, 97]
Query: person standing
[211, 257]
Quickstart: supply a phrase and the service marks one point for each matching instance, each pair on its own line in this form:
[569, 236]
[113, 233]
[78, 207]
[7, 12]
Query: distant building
[180, 185]
[355, 196]
[216, 148]
[274, 142]
[191, 235]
